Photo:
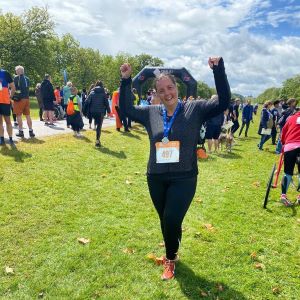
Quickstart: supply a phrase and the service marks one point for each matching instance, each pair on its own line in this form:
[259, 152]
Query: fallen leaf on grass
[259, 266]
[162, 244]
[298, 220]
[103, 176]
[276, 290]
[128, 182]
[203, 294]
[256, 183]
[41, 295]
[128, 251]
[183, 229]
[9, 270]
[209, 227]
[137, 173]
[197, 235]
[151, 256]
[220, 287]
[253, 255]
[199, 200]
[83, 241]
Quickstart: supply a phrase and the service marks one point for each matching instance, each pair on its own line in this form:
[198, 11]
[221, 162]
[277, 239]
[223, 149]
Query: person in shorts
[22, 107]
[6, 83]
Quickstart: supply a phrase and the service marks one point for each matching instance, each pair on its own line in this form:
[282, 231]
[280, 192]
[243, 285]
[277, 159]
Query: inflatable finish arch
[151, 72]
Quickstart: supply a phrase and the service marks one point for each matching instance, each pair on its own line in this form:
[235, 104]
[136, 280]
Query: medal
[165, 140]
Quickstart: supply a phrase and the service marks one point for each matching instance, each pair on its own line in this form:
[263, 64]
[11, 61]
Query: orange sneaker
[169, 269]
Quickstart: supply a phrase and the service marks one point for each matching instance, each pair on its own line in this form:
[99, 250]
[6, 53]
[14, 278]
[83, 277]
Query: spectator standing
[48, 97]
[39, 98]
[6, 83]
[66, 94]
[275, 114]
[22, 107]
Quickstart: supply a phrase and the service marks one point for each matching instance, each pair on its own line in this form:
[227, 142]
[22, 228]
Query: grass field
[58, 189]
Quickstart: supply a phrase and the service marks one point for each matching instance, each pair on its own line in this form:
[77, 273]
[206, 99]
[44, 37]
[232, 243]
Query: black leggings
[290, 159]
[171, 199]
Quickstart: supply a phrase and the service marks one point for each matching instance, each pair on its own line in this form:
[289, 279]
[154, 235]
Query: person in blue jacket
[247, 117]
[266, 119]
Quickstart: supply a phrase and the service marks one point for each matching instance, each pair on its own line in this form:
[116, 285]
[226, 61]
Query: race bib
[167, 152]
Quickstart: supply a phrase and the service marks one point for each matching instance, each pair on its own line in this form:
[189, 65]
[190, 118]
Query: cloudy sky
[259, 39]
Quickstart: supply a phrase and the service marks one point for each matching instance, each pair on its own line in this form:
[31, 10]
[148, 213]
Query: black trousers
[98, 117]
[171, 199]
[235, 126]
[247, 127]
[290, 159]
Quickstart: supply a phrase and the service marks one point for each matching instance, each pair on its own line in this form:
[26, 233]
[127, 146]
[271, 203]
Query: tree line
[290, 89]
[30, 40]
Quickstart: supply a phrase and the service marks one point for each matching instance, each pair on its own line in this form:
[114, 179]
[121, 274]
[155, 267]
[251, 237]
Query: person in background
[275, 114]
[57, 95]
[6, 83]
[247, 117]
[92, 86]
[39, 98]
[98, 107]
[22, 107]
[255, 108]
[66, 94]
[75, 119]
[48, 97]
[235, 116]
[173, 130]
[213, 128]
[265, 119]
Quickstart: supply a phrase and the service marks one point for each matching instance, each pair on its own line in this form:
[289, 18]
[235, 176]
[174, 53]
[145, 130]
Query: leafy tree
[291, 88]
[272, 93]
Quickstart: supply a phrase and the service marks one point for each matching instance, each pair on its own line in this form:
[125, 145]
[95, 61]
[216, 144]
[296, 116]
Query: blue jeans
[263, 139]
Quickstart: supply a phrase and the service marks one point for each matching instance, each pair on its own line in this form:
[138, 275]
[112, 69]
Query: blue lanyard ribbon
[168, 125]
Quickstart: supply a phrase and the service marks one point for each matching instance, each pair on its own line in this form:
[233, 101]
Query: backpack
[70, 107]
[270, 122]
[86, 108]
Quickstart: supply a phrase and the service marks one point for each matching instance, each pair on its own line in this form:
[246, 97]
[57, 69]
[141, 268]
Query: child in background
[75, 118]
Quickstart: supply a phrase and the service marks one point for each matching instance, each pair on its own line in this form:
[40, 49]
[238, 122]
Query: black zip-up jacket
[97, 101]
[47, 91]
[186, 127]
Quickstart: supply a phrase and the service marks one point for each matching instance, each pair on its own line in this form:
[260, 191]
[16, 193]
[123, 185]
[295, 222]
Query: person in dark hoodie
[48, 97]
[98, 107]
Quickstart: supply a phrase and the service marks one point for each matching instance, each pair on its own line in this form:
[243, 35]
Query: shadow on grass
[131, 135]
[56, 127]
[84, 139]
[192, 286]
[106, 131]
[230, 155]
[32, 141]
[140, 130]
[19, 156]
[105, 150]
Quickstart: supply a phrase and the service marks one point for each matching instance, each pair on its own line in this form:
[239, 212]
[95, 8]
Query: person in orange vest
[115, 108]
[6, 82]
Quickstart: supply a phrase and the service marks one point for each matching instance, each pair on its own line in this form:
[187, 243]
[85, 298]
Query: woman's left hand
[213, 61]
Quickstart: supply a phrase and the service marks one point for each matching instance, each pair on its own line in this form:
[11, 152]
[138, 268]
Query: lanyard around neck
[168, 125]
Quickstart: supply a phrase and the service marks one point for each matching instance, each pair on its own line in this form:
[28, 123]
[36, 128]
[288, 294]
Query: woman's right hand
[125, 70]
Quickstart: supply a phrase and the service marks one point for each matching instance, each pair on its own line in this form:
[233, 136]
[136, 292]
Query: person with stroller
[172, 166]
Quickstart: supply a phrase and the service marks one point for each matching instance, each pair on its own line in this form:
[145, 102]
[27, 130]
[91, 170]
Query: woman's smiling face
[167, 92]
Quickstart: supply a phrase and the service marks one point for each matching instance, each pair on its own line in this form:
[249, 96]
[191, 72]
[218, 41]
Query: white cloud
[184, 34]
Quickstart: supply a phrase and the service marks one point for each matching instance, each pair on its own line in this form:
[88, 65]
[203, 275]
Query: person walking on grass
[265, 125]
[247, 117]
[290, 139]
[22, 106]
[98, 106]
[173, 130]
[6, 83]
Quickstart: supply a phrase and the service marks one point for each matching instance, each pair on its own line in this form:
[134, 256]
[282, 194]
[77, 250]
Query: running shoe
[20, 134]
[31, 134]
[284, 200]
[169, 270]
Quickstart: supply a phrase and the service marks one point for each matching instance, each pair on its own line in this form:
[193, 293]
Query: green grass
[56, 190]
